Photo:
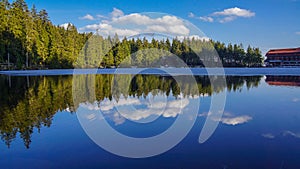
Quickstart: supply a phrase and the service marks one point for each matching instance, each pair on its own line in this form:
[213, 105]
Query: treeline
[112, 52]
[29, 40]
[236, 56]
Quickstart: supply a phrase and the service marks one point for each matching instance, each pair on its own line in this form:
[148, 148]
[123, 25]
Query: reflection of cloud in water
[296, 100]
[91, 115]
[137, 109]
[204, 114]
[90, 106]
[236, 120]
[168, 109]
[268, 136]
[201, 95]
[229, 118]
[107, 105]
[283, 134]
[118, 119]
[290, 133]
[142, 110]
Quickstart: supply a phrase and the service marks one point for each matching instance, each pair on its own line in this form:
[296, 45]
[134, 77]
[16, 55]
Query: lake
[108, 119]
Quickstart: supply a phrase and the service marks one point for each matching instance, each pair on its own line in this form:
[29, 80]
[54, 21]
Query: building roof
[283, 52]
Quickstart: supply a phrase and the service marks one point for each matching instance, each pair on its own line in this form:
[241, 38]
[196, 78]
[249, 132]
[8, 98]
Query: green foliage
[29, 40]
[236, 56]
[32, 41]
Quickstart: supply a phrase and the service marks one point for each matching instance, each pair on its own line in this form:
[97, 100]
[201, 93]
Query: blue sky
[261, 23]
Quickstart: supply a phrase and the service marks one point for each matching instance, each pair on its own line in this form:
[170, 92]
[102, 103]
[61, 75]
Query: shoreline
[293, 71]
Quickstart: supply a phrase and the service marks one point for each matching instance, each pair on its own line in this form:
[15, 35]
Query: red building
[283, 80]
[283, 57]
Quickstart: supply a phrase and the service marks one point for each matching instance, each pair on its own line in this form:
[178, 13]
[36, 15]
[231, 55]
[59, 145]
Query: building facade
[283, 57]
[283, 80]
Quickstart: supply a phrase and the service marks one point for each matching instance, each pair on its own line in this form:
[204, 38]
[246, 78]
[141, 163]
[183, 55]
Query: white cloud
[116, 13]
[136, 109]
[191, 15]
[107, 105]
[164, 24]
[205, 114]
[143, 111]
[135, 19]
[65, 25]
[195, 37]
[230, 14]
[87, 17]
[268, 136]
[202, 18]
[133, 24]
[297, 33]
[235, 12]
[235, 120]
[228, 118]
[107, 29]
[206, 18]
[91, 117]
[296, 100]
[284, 134]
[118, 118]
[101, 16]
[91, 27]
[227, 15]
[290, 133]
[173, 107]
[227, 19]
[90, 106]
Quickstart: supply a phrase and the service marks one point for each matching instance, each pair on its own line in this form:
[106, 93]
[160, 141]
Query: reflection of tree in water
[31, 107]
[31, 102]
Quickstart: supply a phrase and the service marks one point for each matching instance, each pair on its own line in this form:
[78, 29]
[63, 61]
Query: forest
[29, 40]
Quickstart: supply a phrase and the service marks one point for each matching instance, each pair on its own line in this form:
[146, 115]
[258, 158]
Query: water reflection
[144, 110]
[286, 133]
[283, 80]
[29, 103]
[229, 118]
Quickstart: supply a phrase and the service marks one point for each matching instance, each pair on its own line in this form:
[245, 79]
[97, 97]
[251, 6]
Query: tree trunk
[26, 59]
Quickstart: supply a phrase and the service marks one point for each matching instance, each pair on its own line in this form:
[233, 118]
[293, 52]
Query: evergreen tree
[28, 39]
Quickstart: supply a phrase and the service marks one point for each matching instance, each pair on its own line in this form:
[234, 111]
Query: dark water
[39, 126]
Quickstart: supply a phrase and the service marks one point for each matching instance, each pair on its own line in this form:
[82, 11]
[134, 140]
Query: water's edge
[161, 71]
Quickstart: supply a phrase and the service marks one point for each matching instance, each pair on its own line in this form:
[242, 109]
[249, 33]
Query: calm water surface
[260, 127]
